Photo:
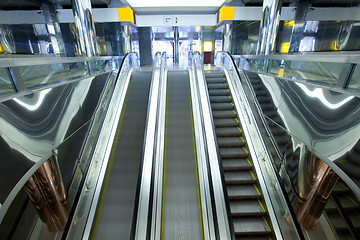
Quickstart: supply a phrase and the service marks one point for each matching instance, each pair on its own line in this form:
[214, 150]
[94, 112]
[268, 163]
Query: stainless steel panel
[327, 122]
[34, 124]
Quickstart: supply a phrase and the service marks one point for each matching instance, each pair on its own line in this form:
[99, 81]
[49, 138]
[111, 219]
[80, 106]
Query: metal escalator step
[270, 113]
[253, 238]
[257, 87]
[267, 106]
[217, 86]
[226, 122]
[263, 99]
[214, 75]
[239, 177]
[236, 164]
[354, 157]
[261, 93]
[250, 226]
[231, 152]
[216, 80]
[224, 114]
[219, 92]
[222, 106]
[330, 206]
[340, 189]
[347, 202]
[241, 208]
[228, 132]
[220, 99]
[281, 140]
[247, 191]
[336, 220]
[230, 142]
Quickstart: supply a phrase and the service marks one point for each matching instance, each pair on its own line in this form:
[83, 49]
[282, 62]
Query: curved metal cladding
[314, 117]
[36, 124]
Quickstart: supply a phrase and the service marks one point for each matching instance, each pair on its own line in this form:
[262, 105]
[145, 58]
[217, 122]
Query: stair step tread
[219, 92]
[236, 164]
[250, 226]
[228, 132]
[233, 152]
[246, 208]
[220, 99]
[246, 191]
[224, 114]
[217, 86]
[226, 122]
[222, 106]
[239, 177]
[231, 142]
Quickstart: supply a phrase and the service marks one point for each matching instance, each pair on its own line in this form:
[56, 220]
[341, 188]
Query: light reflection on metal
[318, 93]
[85, 28]
[53, 27]
[298, 29]
[269, 26]
[46, 191]
[7, 43]
[32, 107]
[344, 34]
[316, 185]
[126, 37]
[227, 37]
[176, 44]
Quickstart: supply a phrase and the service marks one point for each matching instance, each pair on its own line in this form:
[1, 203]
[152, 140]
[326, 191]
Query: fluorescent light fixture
[175, 3]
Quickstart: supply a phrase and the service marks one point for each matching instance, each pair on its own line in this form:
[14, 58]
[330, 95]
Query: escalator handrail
[231, 66]
[153, 143]
[222, 210]
[86, 198]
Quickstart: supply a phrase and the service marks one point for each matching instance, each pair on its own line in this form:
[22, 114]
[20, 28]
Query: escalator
[248, 210]
[181, 209]
[115, 210]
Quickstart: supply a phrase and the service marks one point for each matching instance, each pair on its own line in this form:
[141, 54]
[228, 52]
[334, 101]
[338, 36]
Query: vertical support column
[85, 28]
[53, 27]
[7, 44]
[302, 7]
[46, 191]
[126, 37]
[317, 181]
[227, 37]
[269, 26]
[176, 44]
[145, 45]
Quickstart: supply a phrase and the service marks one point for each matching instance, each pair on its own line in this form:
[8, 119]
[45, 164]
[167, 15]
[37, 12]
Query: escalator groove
[248, 211]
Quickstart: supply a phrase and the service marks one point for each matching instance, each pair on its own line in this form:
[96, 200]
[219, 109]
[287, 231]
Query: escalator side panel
[114, 215]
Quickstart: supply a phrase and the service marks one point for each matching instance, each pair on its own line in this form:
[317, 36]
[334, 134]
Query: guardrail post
[16, 78]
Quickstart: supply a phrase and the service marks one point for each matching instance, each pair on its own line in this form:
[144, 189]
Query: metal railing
[153, 155]
[216, 215]
[336, 71]
[23, 74]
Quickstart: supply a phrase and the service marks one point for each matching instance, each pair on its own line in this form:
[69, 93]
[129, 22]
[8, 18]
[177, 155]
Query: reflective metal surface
[281, 213]
[212, 152]
[152, 138]
[97, 152]
[34, 124]
[85, 29]
[47, 192]
[269, 26]
[201, 154]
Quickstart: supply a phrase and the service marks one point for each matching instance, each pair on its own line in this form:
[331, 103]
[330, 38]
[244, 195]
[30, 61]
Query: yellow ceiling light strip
[126, 15]
[226, 13]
